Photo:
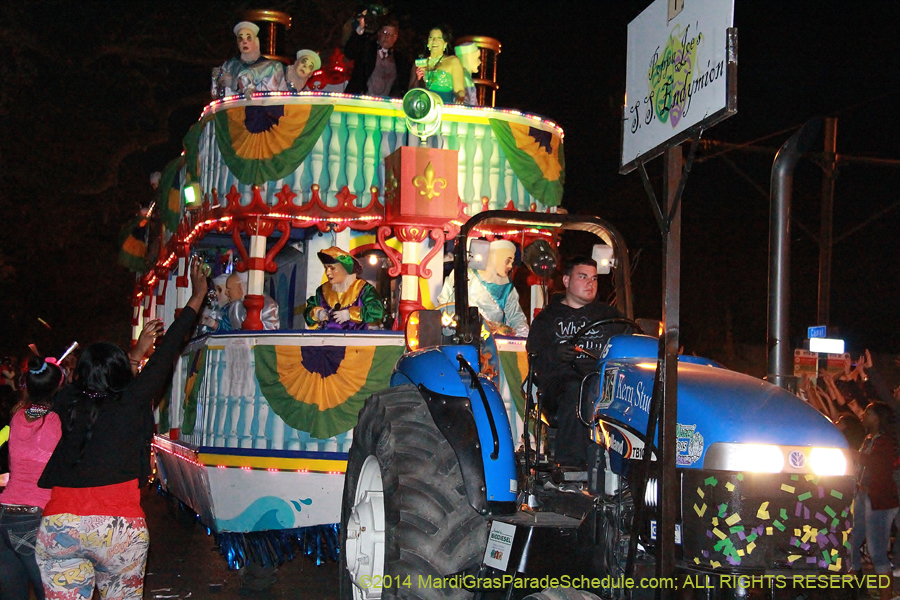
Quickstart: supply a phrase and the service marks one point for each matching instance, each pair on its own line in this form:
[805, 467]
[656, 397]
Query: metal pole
[826, 240]
[671, 288]
[780, 368]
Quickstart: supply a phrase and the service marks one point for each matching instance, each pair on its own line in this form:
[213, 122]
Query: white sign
[676, 75]
[826, 345]
[499, 545]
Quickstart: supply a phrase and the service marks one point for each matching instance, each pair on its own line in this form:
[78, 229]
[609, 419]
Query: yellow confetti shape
[793, 557]
[735, 518]
[740, 552]
[833, 551]
[787, 488]
[715, 521]
[696, 561]
[729, 486]
[836, 565]
[701, 494]
[700, 511]
[768, 531]
[750, 547]
[797, 532]
[715, 564]
[762, 513]
[719, 534]
[810, 477]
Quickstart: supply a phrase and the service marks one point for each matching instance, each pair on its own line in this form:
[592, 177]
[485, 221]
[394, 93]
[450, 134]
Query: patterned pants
[76, 552]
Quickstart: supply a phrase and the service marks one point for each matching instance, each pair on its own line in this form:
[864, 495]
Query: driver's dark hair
[580, 259]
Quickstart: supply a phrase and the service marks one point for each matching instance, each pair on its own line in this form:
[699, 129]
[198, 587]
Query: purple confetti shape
[821, 540]
[709, 534]
[822, 564]
[759, 530]
[833, 539]
[731, 561]
[793, 540]
[821, 517]
[811, 560]
[821, 492]
[705, 553]
[805, 513]
[806, 547]
[742, 536]
[799, 508]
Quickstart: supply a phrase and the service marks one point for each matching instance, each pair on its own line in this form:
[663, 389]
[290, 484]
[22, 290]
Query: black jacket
[363, 51]
[555, 325]
[119, 447]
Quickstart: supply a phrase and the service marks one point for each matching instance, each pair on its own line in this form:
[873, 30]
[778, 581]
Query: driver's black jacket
[556, 325]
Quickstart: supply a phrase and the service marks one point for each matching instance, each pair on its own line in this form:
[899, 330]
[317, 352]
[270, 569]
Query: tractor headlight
[758, 458]
[828, 461]
[752, 458]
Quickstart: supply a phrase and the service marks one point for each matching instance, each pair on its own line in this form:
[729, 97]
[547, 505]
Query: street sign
[826, 345]
[806, 364]
[819, 331]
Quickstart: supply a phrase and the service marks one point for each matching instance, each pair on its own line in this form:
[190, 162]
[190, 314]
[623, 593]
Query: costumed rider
[344, 301]
[250, 72]
[234, 313]
[470, 56]
[492, 292]
[213, 314]
[308, 62]
[559, 367]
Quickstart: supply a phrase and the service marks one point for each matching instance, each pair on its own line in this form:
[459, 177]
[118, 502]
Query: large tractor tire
[405, 520]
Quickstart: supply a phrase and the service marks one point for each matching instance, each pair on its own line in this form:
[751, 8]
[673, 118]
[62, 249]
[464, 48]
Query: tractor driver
[559, 367]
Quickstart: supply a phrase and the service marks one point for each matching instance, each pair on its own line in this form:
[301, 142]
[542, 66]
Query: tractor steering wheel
[607, 321]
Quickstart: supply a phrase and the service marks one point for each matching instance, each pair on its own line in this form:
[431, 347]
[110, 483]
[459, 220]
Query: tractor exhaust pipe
[778, 347]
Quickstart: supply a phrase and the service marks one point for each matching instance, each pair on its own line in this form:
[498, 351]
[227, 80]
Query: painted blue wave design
[304, 501]
[266, 513]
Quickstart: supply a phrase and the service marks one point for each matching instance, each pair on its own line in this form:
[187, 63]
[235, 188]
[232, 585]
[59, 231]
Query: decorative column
[420, 199]
[258, 262]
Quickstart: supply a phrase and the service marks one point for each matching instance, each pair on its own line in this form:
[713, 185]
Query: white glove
[320, 315]
[342, 316]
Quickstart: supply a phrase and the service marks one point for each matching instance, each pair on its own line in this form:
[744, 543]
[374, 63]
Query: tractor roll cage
[468, 328]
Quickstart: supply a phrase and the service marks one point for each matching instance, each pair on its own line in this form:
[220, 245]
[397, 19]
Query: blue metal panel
[718, 404]
[499, 473]
[432, 368]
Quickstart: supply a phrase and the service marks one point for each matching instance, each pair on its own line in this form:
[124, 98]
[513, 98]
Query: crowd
[79, 450]
[378, 68]
[860, 403]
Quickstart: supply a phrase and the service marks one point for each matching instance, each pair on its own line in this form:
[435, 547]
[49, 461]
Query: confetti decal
[755, 520]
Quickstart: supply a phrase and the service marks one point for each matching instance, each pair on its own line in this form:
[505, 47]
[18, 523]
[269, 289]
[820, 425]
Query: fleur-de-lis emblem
[429, 182]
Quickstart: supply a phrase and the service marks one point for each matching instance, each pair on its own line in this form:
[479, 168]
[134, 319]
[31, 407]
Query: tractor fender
[471, 416]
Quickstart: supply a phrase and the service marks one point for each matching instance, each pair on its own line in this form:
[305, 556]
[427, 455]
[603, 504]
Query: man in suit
[377, 69]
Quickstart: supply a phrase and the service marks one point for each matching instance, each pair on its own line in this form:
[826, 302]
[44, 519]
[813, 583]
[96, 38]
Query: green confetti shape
[784, 514]
[722, 508]
[830, 511]
[736, 529]
[834, 522]
[778, 524]
[751, 537]
[795, 478]
[837, 494]
[711, 481]
[740, 476]
[805, 496]
[827, 556]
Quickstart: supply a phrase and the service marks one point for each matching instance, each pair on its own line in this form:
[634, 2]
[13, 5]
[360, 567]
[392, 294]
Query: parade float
[254, 433]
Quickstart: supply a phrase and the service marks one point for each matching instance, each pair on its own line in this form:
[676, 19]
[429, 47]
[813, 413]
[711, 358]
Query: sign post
[681, 77]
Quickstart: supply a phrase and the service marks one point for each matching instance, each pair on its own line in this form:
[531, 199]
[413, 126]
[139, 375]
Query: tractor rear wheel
[405, 519]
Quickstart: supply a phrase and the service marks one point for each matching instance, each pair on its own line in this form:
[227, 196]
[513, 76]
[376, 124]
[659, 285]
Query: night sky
[98, 95]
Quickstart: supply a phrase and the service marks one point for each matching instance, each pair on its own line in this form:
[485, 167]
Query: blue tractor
[440, 501]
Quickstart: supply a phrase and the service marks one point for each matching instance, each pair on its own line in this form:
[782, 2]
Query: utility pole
[829, 166]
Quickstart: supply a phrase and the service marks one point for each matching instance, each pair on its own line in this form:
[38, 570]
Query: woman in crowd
[94, 524]
[34, 432]
[876, 500]
[442, 73]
